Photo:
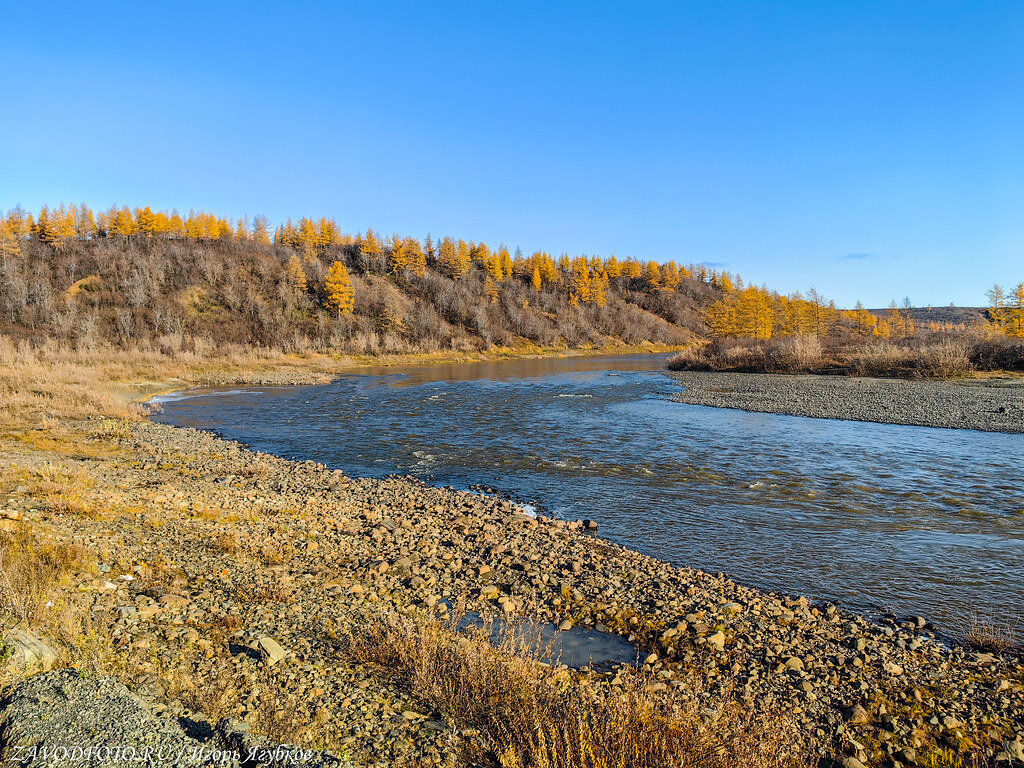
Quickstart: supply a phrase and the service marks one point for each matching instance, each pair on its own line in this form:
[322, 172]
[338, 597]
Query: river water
[912, 520]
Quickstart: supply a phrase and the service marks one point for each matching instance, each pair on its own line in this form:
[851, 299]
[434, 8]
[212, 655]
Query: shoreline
[972, 404]
[215, 534]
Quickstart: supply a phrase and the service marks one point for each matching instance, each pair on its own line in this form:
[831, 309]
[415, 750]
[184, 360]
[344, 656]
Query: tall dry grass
[530, 715]
[941, 360]
[990, 635]
[33, 572]
[53, 380]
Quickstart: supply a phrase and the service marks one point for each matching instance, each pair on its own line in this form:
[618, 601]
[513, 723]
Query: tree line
[134, 275]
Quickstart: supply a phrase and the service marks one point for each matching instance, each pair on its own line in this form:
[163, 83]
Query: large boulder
[26, 654]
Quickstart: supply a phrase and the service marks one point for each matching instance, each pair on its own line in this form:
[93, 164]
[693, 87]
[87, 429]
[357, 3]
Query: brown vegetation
[990, 635]
[936, 355]
[33, 575]
[530, 714]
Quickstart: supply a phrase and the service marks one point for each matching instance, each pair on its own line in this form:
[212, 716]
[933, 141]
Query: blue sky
[874, 150]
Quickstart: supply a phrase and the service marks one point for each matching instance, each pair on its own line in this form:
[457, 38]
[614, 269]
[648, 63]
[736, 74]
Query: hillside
[125, 279]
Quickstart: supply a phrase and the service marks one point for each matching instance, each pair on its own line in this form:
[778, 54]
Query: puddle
[575, 648]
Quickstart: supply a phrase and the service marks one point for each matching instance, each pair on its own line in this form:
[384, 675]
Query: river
[912, 520]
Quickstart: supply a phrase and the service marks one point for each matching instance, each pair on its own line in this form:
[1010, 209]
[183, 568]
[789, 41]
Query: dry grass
[990, 635]
[52, 382]
[32, 574]
[534, 716]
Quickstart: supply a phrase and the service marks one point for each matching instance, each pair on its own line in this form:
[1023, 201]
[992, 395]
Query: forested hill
[138, 277]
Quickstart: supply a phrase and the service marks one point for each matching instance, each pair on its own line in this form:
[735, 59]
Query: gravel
[65, 717]
[49, 718]
[990, 405]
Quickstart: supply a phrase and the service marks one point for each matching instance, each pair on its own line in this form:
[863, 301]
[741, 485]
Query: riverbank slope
[991, 404]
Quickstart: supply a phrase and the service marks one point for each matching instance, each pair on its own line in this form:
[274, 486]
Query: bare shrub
[800, 352]
[877, 359]
[945, 360]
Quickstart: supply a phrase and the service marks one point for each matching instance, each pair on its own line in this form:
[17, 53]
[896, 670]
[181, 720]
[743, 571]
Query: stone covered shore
[208, 551]
[990, 405]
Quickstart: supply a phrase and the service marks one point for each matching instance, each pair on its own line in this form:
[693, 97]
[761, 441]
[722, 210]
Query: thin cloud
[713, 264]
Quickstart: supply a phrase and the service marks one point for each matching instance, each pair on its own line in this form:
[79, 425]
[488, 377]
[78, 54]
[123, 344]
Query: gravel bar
[990, 405]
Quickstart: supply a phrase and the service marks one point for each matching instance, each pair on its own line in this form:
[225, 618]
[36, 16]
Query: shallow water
[576, 647]
[908, 519]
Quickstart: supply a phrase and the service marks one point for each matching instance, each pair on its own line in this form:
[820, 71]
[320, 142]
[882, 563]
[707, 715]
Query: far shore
[298, 370]
[989, 404]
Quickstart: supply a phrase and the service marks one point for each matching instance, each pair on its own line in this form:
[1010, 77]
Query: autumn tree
[340, 293]
[296, 273]
[398, 257]
[599, 288]
[1015, 319]
[996, 306]
[454, 258]
[494, 267]
[652, 274]
[670, 278]
[490, 289]
[261, 230]
[579, 280]
[370, 244]
[863, 320]
[613, 267]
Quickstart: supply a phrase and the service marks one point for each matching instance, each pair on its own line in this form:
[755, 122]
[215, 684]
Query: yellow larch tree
[416, 257]
[579, 279]
[599, 288]
[494, 268]
[506, 261]
[613, 267]
[296, 273]
[491, 289]
[670, 277]
[370, 245]
[398, 257]
[341, 295]
[1015, 324]
[653, 275]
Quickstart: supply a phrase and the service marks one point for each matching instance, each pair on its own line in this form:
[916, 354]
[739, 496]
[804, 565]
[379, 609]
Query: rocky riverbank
[224, 578]
[991, 405]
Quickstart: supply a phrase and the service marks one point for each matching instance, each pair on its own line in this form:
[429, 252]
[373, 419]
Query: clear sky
[872, 149]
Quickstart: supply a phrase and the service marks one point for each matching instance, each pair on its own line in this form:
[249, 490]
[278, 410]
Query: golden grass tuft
[991, 635]
[531, 715]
